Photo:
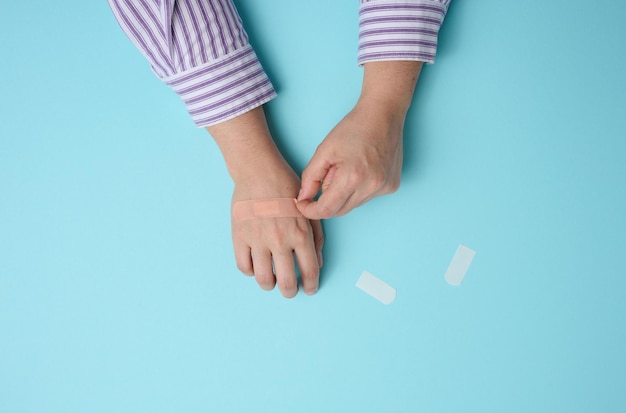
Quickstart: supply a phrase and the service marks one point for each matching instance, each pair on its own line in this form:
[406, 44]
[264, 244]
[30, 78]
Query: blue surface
[118, 288]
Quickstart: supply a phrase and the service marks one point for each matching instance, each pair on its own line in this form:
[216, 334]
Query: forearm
[251, 156]
[389, 85]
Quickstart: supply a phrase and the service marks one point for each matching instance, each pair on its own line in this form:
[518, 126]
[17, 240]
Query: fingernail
[299, 195]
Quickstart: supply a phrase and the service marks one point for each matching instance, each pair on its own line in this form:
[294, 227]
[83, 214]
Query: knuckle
[394, 186]
[302, 241]
[302, 228]
[303, 244]
[355, 178]
[372, 188]
[377, 182]
[390, 187]
[282, 252]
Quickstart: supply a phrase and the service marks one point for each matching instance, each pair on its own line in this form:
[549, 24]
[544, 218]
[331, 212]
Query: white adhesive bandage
[376, 287]
[266, 208]
[459, 265]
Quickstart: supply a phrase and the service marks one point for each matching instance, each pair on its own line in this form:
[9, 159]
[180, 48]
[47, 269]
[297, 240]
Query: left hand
[361, 158]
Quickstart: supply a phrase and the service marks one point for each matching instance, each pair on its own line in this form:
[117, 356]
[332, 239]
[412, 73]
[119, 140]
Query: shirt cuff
[400, 29]
[224, 88]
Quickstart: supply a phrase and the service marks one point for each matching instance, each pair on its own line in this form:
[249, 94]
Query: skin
[258, 170]
[361, 158]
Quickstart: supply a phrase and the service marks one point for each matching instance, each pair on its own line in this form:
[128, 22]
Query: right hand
[265, 248]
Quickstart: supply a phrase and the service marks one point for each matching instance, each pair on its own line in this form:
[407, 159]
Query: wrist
[251, 159]
[246, 144]
[254, 163]
[379, 111]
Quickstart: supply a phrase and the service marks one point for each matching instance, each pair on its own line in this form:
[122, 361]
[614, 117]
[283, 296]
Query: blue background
[118, 286]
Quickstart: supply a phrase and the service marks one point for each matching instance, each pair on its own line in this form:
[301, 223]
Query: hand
[361, 158]
[265, 248]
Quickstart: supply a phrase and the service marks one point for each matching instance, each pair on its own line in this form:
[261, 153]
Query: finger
[331, 200]
[285, 273]
[309, 190]
[312, 176]
[262, 264]
[318, 240]
[324, 184]
[243, 257]
[307, 258]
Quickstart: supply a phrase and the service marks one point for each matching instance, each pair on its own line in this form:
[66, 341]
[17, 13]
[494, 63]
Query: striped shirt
[200, 49]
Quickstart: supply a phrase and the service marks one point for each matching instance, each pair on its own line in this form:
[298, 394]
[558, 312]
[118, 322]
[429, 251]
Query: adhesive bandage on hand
[266, 208]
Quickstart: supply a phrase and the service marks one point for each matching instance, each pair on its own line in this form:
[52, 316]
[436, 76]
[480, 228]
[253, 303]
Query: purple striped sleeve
[200, 49]
[400, 29]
